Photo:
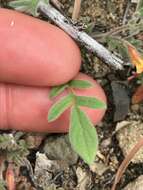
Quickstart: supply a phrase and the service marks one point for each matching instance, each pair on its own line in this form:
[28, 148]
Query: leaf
[19, 153]
[55, 91]
[59, 107]
[83, 84]
[112, 43]
[2, 185]
[141, 12]
[140, 79]
[28, 6]
[7, 142]
[90, 102]
[138, 95]
[139, 5]
[83, 135]
[137, 43]
[116, 44]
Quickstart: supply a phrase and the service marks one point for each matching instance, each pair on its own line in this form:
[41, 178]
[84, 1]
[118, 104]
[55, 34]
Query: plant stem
[71, 91]
[116, 30]
[76, 10]
[57, 4]
[126, 162]
[104, 54]
[125, 20]
[112, 32]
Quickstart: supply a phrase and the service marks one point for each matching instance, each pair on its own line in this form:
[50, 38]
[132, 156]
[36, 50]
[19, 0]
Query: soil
[100, 16]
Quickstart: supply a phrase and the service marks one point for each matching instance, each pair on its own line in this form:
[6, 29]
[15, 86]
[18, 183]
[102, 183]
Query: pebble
[98, 168]
[128, 137]
[136, 184]
[135, 107]
[58, 148]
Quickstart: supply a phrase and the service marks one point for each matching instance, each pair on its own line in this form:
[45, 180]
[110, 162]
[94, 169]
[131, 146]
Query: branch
[126, 162]
[76, 10]
[57, 4]
[102, 53]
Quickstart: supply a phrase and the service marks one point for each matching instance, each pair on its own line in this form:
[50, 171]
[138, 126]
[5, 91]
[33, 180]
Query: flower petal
[136, 59]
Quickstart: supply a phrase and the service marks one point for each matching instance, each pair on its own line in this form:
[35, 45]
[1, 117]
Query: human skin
[35, 52]
[26, 108]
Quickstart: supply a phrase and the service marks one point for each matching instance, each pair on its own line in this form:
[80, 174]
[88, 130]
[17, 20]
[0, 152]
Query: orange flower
[136, 59]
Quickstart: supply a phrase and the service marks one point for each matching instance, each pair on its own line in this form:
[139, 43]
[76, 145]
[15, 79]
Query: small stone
[98, 168]
[34, 141]
[134, 1]
[128, 137]
[83, 179]
[136, 184]
[42, 167]
[113, 162]
[59, 148]
[121, 125]
[141, 109]
[105, 143]
[135, 107]
[70, 11]
[45, 169]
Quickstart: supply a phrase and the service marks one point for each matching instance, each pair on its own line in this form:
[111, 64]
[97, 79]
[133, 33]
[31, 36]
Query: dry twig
[126, 162]
[57, 4]
[76, 10]
[104, 54]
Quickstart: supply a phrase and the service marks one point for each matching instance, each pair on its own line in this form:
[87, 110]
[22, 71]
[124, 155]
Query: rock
[141, 109]
[105, 143]
[59, 148]
[136, 184]
[121, 100]
[134, 1]
[135, 107]
[34, 140]
[121, 125]
[128, 137]
[45, 169]
[83, 179]
[70, 11]
[98, 168]
[41, 173]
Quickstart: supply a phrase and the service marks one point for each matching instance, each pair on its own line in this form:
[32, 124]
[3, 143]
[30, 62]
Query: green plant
[28, 6]
[126, 41]
[13, 148]
[82, 133]
[2, 185]
[116, 38]
[14, 151]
